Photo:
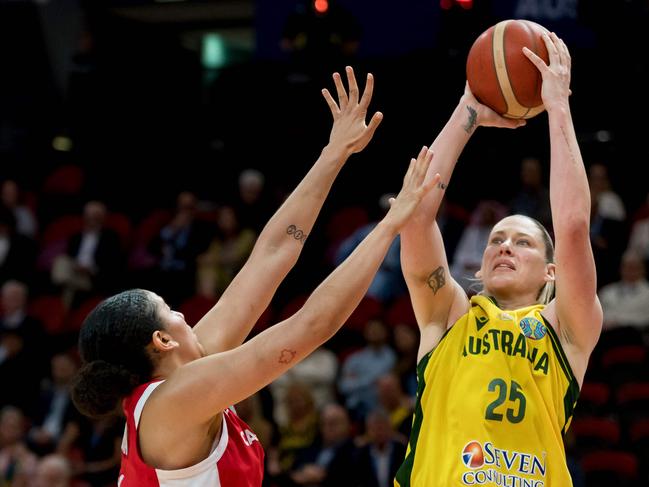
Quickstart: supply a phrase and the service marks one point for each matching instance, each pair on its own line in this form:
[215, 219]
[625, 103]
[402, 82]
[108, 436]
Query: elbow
[573, 226]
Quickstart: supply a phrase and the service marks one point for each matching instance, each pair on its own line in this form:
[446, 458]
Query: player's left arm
[280, 243]
[577, 307]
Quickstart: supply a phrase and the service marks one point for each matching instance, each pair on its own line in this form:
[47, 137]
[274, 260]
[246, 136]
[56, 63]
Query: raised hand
[349, 131]
[556, 76]
[485, 116]
[413, 190]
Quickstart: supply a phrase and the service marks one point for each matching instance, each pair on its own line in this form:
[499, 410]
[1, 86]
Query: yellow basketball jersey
[495, 398]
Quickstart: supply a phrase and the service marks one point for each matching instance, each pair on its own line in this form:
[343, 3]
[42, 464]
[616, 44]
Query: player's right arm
[436, 298]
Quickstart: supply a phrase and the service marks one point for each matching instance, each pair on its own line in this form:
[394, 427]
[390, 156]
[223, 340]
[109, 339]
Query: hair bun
[99, 386]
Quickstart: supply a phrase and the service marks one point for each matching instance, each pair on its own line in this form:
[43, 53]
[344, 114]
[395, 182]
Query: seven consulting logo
[532, 328]
[490, 465]
[472, 455]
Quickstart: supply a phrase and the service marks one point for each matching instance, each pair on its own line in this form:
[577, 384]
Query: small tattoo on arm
[442, 185]
[296, 233]
[567, 141]
[287, 356]
[472, 120]
[436, 280]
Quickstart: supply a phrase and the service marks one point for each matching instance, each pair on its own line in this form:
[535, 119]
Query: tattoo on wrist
[296, 233]
[442, 185]
[287, 356]
[436, 280]
[471, 121]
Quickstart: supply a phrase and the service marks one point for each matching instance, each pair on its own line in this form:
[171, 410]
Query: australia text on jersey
[504, 341]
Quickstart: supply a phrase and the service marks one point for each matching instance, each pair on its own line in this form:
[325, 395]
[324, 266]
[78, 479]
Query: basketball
[500, 75]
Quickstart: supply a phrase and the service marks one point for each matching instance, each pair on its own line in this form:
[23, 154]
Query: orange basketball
[500, 75]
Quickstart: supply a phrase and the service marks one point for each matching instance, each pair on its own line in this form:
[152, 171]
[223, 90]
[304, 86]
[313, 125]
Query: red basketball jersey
[236, 460]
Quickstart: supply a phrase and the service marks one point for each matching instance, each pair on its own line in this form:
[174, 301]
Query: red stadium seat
[368, 309]
[66, 179]
[609, 467]
[344, 222]
[120, 224]
[624, 355]
[595, 432]
[594, 398]
[50, 311]
[401, 312]
[195, 307]
[77, 315]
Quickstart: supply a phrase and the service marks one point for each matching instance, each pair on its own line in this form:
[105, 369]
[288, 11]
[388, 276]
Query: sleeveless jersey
[494, 399]
[236, 460]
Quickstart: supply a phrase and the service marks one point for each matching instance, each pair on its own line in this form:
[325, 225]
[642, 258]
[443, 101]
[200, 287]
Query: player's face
[514, 260]
[175, 324]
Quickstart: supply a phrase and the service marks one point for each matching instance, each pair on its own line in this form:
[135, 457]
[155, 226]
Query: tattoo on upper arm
[471, 121]
[296, 233]
[436, 280]
[287, 356]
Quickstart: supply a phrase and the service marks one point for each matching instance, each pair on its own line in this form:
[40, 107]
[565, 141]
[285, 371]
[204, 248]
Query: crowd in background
[149, 171]
[343, 415]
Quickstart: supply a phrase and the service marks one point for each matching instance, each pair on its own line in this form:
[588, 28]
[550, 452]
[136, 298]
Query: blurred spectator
[177, 247]
[377, 461]
[311, 465]
[93, 259]
[22, 356]
[227, 253]
[468, 254]
[362, 368]
[10, 197]
[639, 239]
[253, 207]
[52, 471]
[94, 449]
[396, 404]
[388, 283]
[609, 204]
[406, 344]
[250, 411]
[17, 462]
[17, 252]
[607, 229]
[317, 371]
[451, 220]
[626, 302]
[298, 433]
[54, 407]
[533, 197]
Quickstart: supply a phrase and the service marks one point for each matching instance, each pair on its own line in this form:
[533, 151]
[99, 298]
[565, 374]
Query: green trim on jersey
[405, 471]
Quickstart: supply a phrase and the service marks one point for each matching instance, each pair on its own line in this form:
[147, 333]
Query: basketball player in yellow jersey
[499, 374]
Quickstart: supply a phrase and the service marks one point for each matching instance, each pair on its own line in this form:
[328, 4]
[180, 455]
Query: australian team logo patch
[533, 328]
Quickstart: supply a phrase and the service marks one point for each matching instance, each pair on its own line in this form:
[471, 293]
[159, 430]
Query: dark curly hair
[112, 344]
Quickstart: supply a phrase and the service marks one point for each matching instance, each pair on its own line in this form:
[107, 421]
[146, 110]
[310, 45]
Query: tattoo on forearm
[296, 233]
[287, 356]
[442, 185]
[436, 280]
[471, 121]
[567, 141]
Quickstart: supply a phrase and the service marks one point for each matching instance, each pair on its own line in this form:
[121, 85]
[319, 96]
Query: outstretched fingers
[333, 106]
[367, 93]
[353, 86]
[340, 89]
[374, 123]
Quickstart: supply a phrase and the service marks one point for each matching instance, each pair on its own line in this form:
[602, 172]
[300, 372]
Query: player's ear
[163, 341]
